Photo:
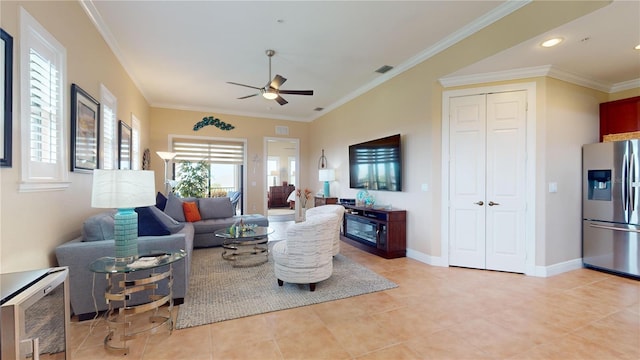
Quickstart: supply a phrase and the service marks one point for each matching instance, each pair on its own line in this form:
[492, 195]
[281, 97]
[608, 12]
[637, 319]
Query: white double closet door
[487, 174]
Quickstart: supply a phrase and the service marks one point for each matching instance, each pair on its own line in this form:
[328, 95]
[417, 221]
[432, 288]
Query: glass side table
[121, 284]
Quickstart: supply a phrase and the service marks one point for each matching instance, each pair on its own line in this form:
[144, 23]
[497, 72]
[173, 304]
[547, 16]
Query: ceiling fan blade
[296, 92]
[248, 96]
[281, 101]
[249, 86]
[277, 82]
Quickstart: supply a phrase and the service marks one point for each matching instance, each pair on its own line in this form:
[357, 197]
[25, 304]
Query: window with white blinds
[43, 67]
[208, 150]
[109, 108]
[45, 96]
[135, 143]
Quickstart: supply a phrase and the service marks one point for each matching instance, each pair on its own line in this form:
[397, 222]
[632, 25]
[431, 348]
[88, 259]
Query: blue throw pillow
[148, 223]
[161, 201]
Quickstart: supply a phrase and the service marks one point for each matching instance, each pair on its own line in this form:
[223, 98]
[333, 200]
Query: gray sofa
[159, 231]
[215, 214]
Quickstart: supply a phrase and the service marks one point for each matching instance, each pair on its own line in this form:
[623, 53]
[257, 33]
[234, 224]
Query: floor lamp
[166, 156]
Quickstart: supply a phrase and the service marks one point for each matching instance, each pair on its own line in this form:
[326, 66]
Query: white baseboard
[424, 258]
[539, 271]
[559, 268]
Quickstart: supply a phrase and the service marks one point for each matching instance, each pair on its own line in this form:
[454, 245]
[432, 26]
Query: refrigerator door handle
[632, 179]
[612, 228]
[625, 184]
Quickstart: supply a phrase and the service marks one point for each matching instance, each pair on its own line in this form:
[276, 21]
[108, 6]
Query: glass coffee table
[246, 246]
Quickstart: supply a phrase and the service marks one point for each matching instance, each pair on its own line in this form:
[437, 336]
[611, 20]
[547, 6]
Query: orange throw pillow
[191, 212]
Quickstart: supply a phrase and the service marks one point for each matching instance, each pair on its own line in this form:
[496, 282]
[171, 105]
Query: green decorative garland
[213, 121]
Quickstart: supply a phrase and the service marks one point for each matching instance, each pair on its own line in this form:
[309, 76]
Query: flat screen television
[376, 164]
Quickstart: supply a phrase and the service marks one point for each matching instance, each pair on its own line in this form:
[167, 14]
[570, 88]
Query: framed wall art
[85, 130]
[124, 146]
[6, 97]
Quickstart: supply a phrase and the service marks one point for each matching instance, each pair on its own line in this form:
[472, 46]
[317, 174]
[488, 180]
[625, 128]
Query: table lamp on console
[325, 174]
[123, 190]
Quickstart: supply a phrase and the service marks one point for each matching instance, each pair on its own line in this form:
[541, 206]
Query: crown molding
[537, 71]
[478, 24]
[94, 15]
[626, 85]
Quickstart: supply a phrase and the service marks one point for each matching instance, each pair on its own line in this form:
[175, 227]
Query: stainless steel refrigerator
[611, 207]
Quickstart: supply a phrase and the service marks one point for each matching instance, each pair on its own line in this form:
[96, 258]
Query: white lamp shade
[326, 174]
[122, 189]
[165, 155]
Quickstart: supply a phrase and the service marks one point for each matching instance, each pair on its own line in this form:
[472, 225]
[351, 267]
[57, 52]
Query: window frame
[36, 176]
[135, 143]
[108, 101]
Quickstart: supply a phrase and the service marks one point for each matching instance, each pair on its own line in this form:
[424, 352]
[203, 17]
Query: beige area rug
[217, 291]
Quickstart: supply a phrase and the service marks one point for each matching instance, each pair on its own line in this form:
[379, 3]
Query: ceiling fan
[272, 90]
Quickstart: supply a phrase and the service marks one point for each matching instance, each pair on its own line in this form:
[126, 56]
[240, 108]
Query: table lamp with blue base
[123, 190]
[326, 175]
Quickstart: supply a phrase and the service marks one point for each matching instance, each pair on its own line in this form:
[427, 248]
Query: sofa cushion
[191, 213]
[149, 224]
[161, 201]
[169, 222]
[215, 208]
[174, 208]
[98, 227]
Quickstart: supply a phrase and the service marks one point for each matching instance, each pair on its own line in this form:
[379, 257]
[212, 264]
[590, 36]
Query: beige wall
[166, 122]
[571, 118]
[33, 224]
[410, 104]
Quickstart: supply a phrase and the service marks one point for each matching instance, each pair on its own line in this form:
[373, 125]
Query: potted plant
[193, 179]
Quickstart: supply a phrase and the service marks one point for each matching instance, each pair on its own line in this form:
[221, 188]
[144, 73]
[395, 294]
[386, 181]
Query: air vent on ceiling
[384, 68]
[282, 130]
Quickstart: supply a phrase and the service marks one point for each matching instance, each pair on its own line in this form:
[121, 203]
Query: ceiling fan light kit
[272, 90]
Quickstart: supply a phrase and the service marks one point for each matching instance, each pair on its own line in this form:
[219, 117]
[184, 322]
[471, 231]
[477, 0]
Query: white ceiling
[182, 54]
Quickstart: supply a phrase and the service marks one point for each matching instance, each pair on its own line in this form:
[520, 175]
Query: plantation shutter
[44, 94]
[208, 150]
[109, 137]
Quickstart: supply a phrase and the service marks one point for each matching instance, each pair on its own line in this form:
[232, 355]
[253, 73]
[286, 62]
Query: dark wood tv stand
[378, 231]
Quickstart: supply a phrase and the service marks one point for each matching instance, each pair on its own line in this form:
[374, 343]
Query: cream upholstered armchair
[305, 256]
[334, 209]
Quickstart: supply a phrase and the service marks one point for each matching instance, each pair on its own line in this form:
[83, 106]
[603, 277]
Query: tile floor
[435, 313]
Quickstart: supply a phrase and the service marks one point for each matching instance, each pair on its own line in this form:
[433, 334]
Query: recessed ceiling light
[552, 42]
[637, 47]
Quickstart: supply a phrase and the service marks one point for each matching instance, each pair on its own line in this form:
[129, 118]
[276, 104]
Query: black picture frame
[6, 56]
[85, 131]
[124, 145]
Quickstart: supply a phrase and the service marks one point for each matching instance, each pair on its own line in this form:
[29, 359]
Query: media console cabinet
[378, 231]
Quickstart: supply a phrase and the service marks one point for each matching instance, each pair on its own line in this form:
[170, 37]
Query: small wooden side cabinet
[278, 195]
[321, 200]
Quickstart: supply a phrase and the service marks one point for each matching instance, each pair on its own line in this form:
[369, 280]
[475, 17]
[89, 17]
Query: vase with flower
[302, 198]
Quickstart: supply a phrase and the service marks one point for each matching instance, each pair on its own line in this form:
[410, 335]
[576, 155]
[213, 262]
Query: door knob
[491, 203]
[479, 203]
